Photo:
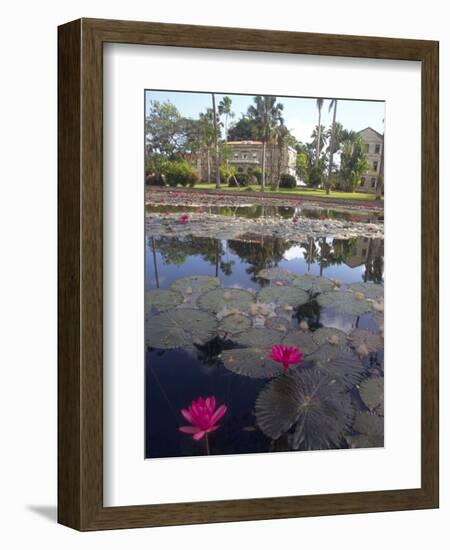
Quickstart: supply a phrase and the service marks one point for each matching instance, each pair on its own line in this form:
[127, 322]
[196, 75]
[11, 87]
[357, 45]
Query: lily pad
[276, 274]
[195, 284]
[251, 362]
[162, 299]
[373, 341]
[235, 322]
[283, 295]
[278, 323]
[262, 338]
[339, 364]
[225, 298]
[306, 400]
[301, 340]
[373, 291]
[361, 441]
[372, 426]
[372, 393]
[344, 303]
[329, 335]
[180, 327]
[316, 284]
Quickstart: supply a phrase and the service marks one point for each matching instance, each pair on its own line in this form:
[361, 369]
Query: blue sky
[300, 114]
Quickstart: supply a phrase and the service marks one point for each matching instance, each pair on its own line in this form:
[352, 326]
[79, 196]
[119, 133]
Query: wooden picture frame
[80, 272]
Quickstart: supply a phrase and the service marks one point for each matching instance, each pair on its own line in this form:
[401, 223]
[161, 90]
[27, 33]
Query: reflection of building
[374, 146]
[245, 155]
[364, 249]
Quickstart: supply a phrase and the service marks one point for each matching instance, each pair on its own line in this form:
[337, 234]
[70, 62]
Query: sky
[300, 114]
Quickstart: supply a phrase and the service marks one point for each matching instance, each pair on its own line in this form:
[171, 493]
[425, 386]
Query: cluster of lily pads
[330, 396]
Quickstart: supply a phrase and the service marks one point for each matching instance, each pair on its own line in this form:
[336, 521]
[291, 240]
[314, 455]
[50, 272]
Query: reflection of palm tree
[311, 253]
[326, 257]
[155, 265]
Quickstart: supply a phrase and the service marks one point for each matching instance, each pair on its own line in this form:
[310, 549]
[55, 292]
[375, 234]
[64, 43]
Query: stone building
[374, 147]
[245, 155]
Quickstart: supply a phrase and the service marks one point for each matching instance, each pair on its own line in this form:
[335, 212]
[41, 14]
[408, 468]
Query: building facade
[374, 143]
[247, 155]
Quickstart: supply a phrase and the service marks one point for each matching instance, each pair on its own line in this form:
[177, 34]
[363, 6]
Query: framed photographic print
[248, 234]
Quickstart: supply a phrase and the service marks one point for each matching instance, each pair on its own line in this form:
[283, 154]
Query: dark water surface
[175, 377]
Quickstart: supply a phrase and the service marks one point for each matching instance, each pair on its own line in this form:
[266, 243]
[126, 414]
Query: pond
[216, 307]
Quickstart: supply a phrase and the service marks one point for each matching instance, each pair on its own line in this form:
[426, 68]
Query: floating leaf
[372, 426]
[339, 364]
[235, 322]
[344, 303]
[276, 274]
[360, 441]
[162, 299]
[229, 298]
[251, 362]
[180, 327]
[373, 341]
[329, 335]
[316, 284]
[372, 393]
[301, 340]
[284, 295]
[278, 323]
[195, 283]
[373, 291]
[262, 338]
[306, 399]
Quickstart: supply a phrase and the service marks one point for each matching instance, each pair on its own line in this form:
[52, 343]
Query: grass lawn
[303, 192]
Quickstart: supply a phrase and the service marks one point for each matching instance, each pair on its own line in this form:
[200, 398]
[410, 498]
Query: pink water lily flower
[203, 417]
[184, 218]
[286, 355]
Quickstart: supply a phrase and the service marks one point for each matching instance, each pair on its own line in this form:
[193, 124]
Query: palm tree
[333, 105]
[225, 109]
[267, 114]
[319, 103]
[216, 143]
[380, 179]
[282, 135]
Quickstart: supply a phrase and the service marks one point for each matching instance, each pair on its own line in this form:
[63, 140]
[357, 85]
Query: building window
[367, 147]
[373, 182]
[244, 155]
[254, 155]
[363, 181]
[236, 155]
[377, 148]
[364, 251]
[375, 165]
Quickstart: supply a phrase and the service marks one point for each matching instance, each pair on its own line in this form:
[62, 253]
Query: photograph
[264, 273]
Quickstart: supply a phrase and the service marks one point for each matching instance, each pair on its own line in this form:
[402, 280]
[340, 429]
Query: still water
[174, 377]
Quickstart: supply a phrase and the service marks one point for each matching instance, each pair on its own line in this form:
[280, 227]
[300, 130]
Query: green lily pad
[373, 291]
[179, 327]
[372, 393]
[235, 322]
[301, 340]
[195, 284]
[276, 274]
[329, 335]
[225, 298]
[262, 338]
[306, 400]
[316, 284]
[339, 364]
[362, 441]
[373, 341]
[162, 299]
[344, 303]
[251, 362]
[278, 323]
[370, 425]
[283, 295]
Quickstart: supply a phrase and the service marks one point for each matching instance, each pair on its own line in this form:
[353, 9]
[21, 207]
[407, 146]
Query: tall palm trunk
[216, 143]
[332, 140]
[263, 168]
[319, 129]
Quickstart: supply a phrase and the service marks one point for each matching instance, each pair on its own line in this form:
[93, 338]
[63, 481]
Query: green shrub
[180, 172]
[287, 181]
[242, 178]
[226, 172]
[154, 179]
[315, 176]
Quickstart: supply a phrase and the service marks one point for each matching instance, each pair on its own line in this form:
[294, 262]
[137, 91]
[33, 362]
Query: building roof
[372, 130]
